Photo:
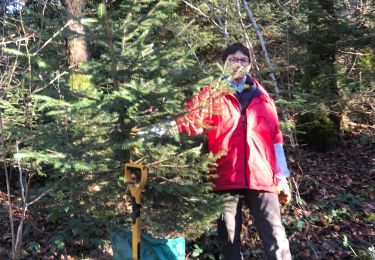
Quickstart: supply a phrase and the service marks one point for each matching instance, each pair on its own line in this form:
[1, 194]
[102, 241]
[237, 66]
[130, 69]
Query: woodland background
[86, 86]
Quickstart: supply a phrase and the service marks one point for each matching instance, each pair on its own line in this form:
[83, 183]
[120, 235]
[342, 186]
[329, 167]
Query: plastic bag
[151, 248]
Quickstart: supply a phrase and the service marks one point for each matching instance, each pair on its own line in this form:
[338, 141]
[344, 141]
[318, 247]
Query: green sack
[151, 248]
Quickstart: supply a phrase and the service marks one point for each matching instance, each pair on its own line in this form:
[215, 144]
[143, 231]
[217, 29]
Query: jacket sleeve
[196, 118]
[281, 162]
[277, 135]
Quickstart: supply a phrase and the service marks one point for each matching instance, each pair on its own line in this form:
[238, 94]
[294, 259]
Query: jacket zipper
[244, 127]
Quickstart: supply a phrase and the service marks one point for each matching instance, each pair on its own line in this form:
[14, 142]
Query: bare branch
[18, 245]
[44, 193]
[14, 67]
[266, 57]
[247, 39]
[355, 53]
[203, 14]
[17, 40]
[53, 36]
[58, 76]
[196, 8]
[264, 48]
[219, 21]
[42, 22]
[7, 179]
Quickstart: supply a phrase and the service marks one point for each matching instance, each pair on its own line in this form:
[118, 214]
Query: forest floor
[332, 214]
[335, 215]
[331, 217]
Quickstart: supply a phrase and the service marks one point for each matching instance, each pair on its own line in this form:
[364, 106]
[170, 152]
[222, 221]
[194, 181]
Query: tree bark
[77, 48]
[76, 43]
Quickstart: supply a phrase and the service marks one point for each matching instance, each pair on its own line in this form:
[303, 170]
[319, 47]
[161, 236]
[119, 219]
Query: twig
[221, 25]
[264, 48]
[138, 161]
[196, 8]
[42, 22]
[53, 36]
[165, 159]
[355, 53]
[58, 76]
[267, 58]
[26, 38]
[44, 193]
[27, 98]
[14, 67]
[246, 36]
[174, 166]
[18, 245]
[298, 196]
[7, 179]
[201, 12]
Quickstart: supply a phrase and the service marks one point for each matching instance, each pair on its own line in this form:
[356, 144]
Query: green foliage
[319, 131]
[81, 83]
[102, 10]
[197, 251]
[147, 59]
[207, 247]
[78, 137]
[34, 246]
[137, 80]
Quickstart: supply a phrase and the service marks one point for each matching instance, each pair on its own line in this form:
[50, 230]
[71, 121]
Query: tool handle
[135, 187]
[135, 190]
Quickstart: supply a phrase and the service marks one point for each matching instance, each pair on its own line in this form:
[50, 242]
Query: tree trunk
[77, 47]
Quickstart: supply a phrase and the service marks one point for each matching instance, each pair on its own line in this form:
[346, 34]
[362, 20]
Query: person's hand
[283, 191]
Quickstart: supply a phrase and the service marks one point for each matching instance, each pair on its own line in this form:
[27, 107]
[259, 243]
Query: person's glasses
[244, 62]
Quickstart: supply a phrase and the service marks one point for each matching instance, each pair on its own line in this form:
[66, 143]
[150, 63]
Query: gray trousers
[265, 209]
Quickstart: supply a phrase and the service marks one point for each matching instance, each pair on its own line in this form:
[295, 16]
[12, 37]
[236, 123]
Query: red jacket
[246, 141]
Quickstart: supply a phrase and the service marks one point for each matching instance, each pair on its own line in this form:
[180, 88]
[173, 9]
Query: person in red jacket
[242, 127]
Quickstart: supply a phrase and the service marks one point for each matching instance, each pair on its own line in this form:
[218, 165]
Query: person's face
[239, 64]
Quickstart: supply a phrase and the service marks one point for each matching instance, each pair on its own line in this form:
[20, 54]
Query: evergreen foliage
[141, 74]
[147, 57]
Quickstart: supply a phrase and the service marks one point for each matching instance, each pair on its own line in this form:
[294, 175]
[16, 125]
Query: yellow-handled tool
[136, 176]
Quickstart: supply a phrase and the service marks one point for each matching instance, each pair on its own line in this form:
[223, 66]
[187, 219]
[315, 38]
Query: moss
[318, 131]
[81, 83]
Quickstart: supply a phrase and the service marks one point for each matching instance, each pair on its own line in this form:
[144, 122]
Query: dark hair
[233, 48]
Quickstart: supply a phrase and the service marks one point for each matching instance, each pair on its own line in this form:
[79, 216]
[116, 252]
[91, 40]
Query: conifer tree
[143, 71]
